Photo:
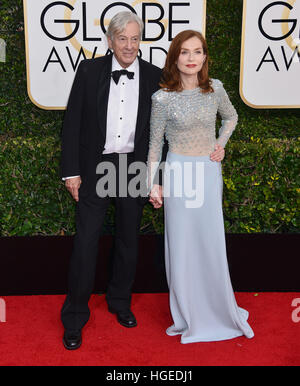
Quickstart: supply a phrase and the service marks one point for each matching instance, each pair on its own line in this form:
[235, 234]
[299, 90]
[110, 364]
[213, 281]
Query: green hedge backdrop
[260, 170]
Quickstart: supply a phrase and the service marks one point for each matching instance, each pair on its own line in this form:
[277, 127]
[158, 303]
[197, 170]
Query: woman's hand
[218, 154]
[156, 196]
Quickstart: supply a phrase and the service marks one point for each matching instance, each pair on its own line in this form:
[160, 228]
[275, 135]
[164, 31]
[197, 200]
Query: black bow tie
[116, 75]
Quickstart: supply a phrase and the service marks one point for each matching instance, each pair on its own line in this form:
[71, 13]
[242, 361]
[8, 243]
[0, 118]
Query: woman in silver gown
[202, 301]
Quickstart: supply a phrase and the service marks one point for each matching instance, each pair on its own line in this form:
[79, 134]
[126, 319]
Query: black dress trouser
[90, 214]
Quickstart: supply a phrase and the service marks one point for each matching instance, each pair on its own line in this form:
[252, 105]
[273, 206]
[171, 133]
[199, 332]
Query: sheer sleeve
[157, 130]
[228, 115]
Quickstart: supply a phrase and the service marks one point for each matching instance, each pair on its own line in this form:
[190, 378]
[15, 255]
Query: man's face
[126, 44]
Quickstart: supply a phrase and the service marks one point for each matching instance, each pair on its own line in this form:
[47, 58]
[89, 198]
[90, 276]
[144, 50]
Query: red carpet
[32, 335]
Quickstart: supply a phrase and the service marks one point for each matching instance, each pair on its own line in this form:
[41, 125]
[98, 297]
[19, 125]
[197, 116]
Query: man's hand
[156, 196]
[73, 185]
[218, 154]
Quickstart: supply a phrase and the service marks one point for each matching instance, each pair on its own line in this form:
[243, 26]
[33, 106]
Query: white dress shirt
[122, 111]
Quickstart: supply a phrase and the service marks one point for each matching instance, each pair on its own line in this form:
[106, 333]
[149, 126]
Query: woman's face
[191, 57]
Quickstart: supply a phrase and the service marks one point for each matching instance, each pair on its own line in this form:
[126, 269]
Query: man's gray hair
[119, 22]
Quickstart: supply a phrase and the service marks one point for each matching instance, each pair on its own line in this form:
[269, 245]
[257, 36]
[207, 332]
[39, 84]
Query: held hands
[218, 154]
[156, 196]
[73, 185]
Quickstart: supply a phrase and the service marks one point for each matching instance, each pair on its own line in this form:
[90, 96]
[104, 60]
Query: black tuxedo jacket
[84, 128]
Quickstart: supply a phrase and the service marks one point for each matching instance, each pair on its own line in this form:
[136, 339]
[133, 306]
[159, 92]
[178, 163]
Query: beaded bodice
[188, 120]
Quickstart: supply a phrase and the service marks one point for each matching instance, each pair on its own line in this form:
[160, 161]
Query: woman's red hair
[171, 77]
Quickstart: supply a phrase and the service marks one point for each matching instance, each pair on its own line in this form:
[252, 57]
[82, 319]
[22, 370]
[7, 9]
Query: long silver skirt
[202, 300]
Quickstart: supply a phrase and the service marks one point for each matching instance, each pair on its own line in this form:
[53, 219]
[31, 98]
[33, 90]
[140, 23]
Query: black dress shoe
[124, 317]
[72, 339]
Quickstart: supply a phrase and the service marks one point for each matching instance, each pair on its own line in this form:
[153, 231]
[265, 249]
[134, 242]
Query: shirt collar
[116, 65]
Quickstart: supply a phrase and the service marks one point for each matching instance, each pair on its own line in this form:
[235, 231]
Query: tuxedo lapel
[143, 102]
[103, 94]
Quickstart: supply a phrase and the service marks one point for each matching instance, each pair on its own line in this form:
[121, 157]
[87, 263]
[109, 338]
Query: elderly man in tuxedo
[107, 117]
